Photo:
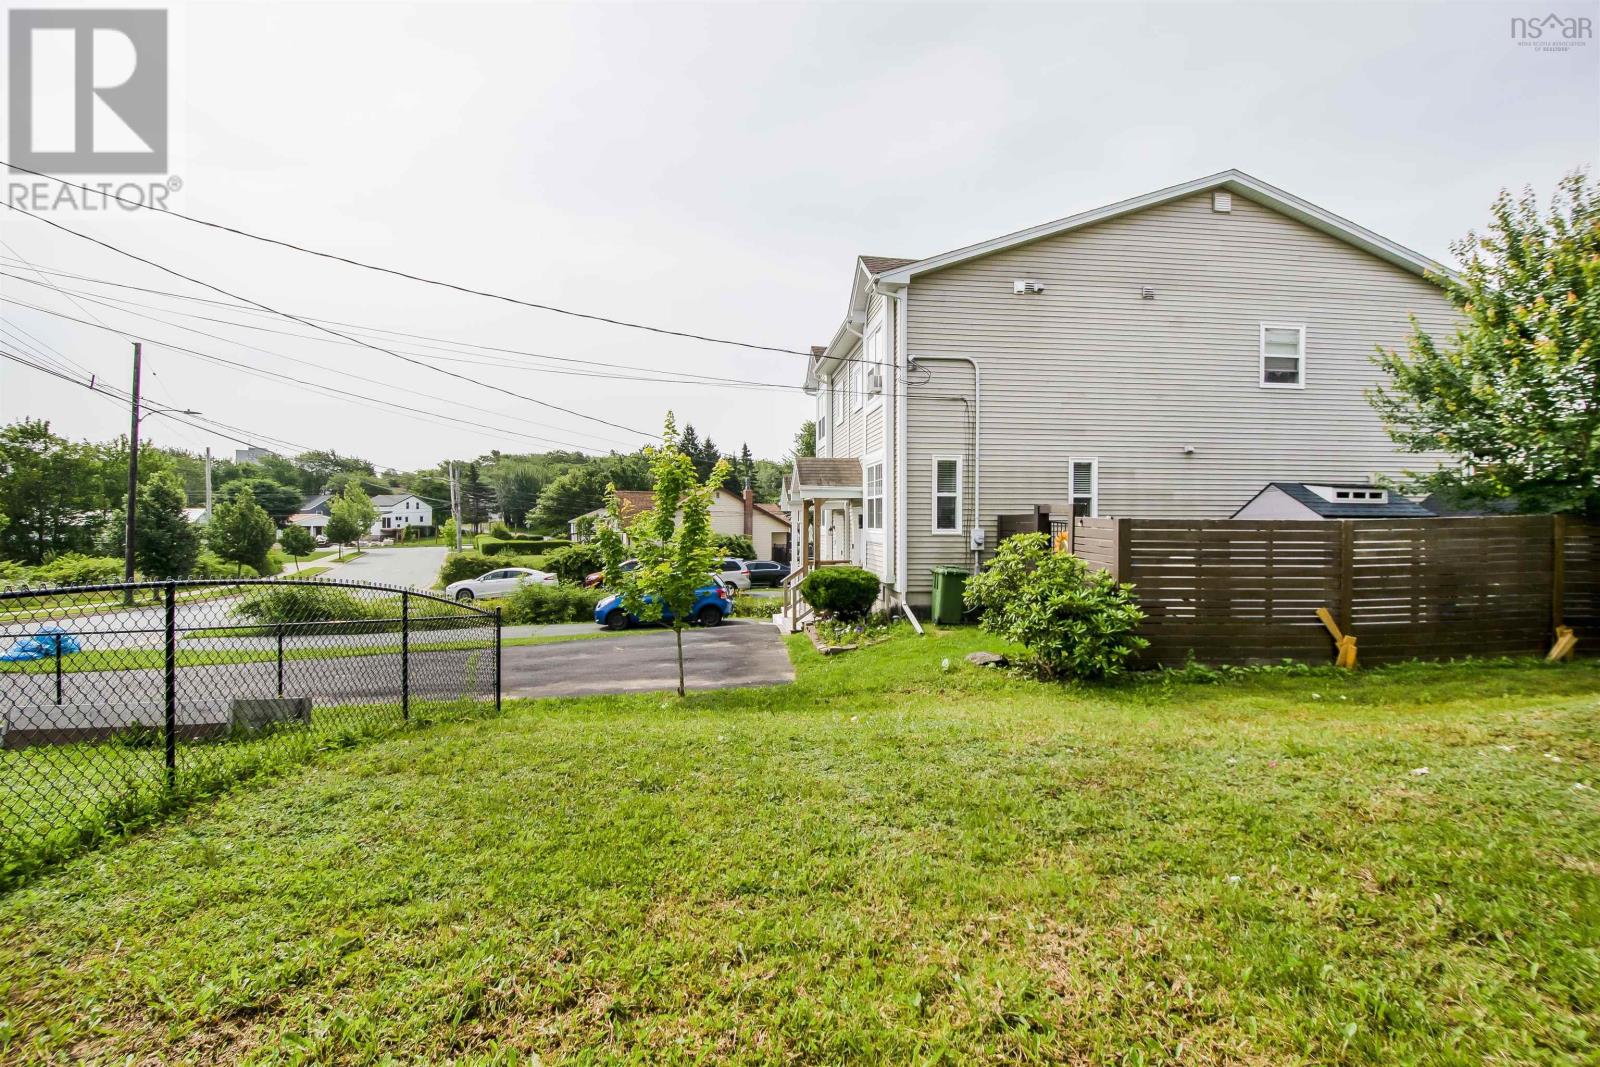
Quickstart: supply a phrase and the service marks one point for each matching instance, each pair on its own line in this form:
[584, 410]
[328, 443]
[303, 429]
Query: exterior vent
[1027, 285]
[1222, 202]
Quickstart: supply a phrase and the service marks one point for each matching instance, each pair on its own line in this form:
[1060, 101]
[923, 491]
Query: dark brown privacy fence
[1241, 591]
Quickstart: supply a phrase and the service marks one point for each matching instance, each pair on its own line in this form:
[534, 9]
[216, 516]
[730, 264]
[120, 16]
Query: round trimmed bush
[841, 592]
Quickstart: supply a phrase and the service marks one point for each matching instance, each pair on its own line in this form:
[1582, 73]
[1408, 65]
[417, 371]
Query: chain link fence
[119, 702]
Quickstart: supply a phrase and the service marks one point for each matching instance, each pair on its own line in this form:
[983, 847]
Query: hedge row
[459, 566]
[522, 546]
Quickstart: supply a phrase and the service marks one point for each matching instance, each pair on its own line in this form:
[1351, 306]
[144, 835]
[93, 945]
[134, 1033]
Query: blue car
[712, 604]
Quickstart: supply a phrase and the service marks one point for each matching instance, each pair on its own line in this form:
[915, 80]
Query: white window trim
[1261, 367]
[881, 333]
[858, 378]
[1094, 483]
[933, 517]
[826, 418]
[875, 533]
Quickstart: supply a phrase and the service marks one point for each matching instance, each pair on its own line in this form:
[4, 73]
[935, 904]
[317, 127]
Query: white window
[1084, 487]
[872, 491]
[873, 371]
[824, 407]
[946, 494]
[1283, 357]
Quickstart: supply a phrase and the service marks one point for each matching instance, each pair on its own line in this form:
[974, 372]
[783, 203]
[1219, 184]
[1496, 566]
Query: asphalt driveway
[740, 652]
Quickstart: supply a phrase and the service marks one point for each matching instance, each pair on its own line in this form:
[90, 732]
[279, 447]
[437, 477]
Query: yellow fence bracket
[1345, 643]
[1565, 640]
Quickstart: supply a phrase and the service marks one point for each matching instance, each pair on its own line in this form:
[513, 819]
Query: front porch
[822, 497]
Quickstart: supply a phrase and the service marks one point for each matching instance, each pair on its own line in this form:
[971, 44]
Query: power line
[294, 318]
[671, 378]
[444, 343]
[320, 387]
[413, 277]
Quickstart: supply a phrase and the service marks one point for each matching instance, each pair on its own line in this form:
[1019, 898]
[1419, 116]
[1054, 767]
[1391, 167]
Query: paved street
[413, 567]
[741, 652]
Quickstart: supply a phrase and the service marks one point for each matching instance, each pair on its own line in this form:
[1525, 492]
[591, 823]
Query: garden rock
[986, 659]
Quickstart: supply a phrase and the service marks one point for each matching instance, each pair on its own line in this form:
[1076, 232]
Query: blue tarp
[42, 645]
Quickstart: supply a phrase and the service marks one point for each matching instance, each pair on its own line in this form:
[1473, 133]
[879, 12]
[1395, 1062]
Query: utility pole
[208, 485]
[131, 529]
[455, 506]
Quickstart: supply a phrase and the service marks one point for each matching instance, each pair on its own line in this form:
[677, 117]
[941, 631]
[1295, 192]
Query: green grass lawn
[889, 861]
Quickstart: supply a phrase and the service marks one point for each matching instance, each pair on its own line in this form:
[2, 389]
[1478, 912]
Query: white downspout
[977, 435]
[902, 368]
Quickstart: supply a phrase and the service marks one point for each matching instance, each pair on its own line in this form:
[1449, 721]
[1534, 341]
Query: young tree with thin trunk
[297, 542]
[241, 532]
[674, 543]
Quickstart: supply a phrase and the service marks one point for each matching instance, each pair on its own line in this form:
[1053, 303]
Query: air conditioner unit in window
[1027, 285]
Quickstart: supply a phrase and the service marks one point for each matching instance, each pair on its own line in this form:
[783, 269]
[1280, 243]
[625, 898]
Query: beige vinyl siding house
[1184, 349]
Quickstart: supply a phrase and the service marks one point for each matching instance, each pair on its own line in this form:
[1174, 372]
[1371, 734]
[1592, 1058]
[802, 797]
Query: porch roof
[819, 477]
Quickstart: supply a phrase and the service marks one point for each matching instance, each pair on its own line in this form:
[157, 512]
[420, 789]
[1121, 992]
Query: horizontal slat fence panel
[1243, 591]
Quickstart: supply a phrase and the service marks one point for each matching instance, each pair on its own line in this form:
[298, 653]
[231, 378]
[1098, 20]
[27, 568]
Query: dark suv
[766, 572]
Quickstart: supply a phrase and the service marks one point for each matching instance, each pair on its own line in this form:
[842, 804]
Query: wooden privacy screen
[1242, 591]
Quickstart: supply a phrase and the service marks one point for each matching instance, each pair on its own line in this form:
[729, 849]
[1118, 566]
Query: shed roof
[1396, 507]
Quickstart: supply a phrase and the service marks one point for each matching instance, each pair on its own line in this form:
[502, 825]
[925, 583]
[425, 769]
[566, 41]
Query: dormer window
[1351, 494]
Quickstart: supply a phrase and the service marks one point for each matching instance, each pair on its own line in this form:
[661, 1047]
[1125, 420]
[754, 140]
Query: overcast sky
[715, 169]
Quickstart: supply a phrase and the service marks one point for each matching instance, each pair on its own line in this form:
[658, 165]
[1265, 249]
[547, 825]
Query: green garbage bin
[948, 585]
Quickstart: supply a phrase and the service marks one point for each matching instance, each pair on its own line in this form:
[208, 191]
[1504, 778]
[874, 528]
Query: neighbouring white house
[198, 516]
[401, 511]
[1164, 356]
[315, 521]
[732, 515]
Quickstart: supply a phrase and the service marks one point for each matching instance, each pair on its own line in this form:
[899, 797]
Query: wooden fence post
[1347, 575]
[1558, 572]
[1123, 540]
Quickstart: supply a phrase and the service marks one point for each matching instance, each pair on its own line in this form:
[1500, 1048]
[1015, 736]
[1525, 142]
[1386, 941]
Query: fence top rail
[35, 592]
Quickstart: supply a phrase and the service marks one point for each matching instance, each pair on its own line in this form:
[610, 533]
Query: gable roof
[1396, 507]
[879, 264]
[827, 471]
[389, 500]
[1234, 181]
[315, 502]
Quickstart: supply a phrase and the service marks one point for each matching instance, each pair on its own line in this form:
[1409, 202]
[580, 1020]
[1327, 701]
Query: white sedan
[497, 583]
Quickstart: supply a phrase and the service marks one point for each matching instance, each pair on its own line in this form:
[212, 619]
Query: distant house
[198, 516]
[251, 455]
[1320, 500]
[402, 511]
[315, 521]
[731, 515]
[321, 504]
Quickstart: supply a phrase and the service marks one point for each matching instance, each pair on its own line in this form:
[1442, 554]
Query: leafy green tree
[276, 499]
[241, 532]
[53, 492]
[674, 543]
[168, 543]
[317, 468]
[1514, 395]
[516, 487]
[350, 517]
[475, 497]
[805, 442]
[769, 480]
[573, 493]
[297, 543]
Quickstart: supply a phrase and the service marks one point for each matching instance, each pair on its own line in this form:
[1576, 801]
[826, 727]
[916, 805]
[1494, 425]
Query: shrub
[303, 603]
[210, 565]
[840, 592]
[499, 529]
[736, 545]
[491, 546]
[73, 568]
[574, 563]
[1074, 622]
[546, 603]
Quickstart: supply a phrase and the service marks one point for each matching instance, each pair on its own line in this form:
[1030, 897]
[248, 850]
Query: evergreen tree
[1514, 395]
[168, 543]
